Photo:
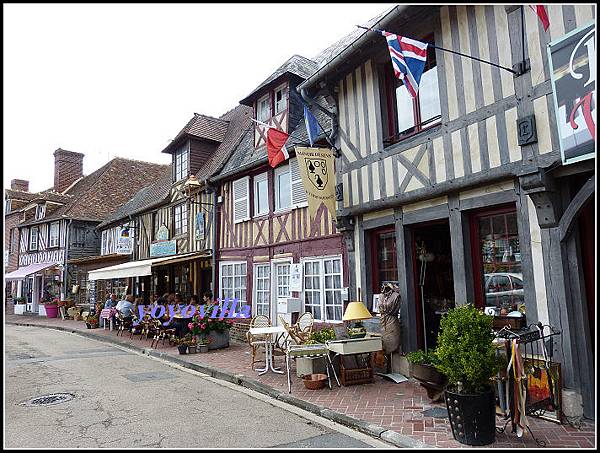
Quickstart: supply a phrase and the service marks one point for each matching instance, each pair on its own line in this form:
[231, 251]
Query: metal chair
[256, 341]
[162, 333]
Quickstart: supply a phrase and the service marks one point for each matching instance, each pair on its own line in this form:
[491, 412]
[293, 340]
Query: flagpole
[322, 129]
[453, 51]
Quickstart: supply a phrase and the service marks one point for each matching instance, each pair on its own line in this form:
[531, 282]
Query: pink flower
[230, 321]
[201, 317]
[203, 326]
[220, 319]
[190, 326]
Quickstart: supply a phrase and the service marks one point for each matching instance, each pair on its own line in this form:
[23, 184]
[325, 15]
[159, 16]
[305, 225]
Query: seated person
[125, 307]
[111, 301]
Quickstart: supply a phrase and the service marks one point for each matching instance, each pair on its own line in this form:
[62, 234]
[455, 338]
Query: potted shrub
[202, 345]
[51, 308]
[20, 304]
[92, 321]
[467, 356]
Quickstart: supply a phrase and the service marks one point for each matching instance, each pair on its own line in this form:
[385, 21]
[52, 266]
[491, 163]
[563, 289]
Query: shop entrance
[434, 284]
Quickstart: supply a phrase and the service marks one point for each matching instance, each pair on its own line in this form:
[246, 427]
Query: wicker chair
[162, 333]
[256, 341]
[304, 326]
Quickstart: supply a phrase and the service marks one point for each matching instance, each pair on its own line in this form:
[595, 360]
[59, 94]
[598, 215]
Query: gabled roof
[201, 127]
[12, 194]
[98, 195]
[297, 65]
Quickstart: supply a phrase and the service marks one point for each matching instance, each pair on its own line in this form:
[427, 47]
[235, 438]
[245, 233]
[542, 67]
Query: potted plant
[216, 329]
[191, 344]
[182, 345]
[91, 321]
[51, 308]
[309, 365]
[467, 356]
[423, 369]
[203, 344]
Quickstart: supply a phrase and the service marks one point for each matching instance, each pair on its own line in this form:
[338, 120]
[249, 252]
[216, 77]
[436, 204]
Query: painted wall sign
[124, 243]
[47, 256]
[163, 233]
[573, 72]
[163, 248]
[200, 226]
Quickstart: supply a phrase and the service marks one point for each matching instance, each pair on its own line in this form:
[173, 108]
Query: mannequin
[389, 307]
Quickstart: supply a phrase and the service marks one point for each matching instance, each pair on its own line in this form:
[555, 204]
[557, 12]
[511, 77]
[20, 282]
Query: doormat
[396, 377]
[436, 412]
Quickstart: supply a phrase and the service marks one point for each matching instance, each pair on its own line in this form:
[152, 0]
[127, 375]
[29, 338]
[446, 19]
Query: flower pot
[202, 348]
[427, 373]
[218, 340]
[472, 417]
[192, 349]
[314, 381]
[182, 348]
[20, 309]
[51, 310]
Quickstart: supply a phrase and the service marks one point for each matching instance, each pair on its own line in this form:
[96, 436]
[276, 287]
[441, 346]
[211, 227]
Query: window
[40, 211]
[53, 236]
[33, 238]
[262, 290]
[261, 194]
[10, 240]
[497, 259]
[155, 225]
[180, 166]
[385, 263]
[282, 271]
[78, 237]
[289, 191]
[233, 282]
[180, 217]
[263, 110]
[241, 199]
[8, 206]
[104, 248]
[323, 288]
[403, 116]
[280, 100]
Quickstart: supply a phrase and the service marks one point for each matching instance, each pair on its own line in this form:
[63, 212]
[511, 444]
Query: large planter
[217, 340]
[20, 309]
[430, 378]
[472, 417]
[51, 310]
[42, 310]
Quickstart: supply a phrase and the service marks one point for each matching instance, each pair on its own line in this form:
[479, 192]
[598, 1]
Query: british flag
[408, 59]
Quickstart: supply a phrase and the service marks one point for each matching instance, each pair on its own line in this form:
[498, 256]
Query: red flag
[276, 146]
[540, 10]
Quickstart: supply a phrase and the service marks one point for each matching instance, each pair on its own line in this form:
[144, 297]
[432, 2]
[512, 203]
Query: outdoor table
[108, 313]
[180, 324]
[269, 332]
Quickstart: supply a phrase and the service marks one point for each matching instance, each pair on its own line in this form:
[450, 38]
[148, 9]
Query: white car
[503, 287]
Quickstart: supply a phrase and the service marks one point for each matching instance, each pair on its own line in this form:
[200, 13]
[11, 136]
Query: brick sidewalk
[397, 407]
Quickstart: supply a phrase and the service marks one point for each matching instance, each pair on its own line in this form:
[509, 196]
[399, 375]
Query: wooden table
[356, 347]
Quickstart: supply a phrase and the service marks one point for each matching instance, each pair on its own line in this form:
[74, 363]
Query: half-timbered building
[459, 196]
[270, 251]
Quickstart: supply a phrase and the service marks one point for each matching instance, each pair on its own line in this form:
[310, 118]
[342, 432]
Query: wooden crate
[513, 323]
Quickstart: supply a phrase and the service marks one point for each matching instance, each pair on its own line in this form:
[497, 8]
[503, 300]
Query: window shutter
[241, 200]
[299, 196]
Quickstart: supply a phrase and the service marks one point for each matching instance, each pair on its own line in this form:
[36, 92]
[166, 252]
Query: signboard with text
[125, 242]
[573, 72]
[163, 248]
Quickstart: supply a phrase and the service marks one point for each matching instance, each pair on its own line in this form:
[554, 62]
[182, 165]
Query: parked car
[503, 288]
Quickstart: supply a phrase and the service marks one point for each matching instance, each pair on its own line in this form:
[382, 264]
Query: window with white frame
[33, 238]
[282, 273]
[180, 218]
[53, 236]
[233, 282]
[263, 109]
[323, 288]
[289, 191]
[180, 160]
[280, 100]
[104, 247]
[262, 288]
[261, 194]
[241, 199]
[40, 211]
[8, 202]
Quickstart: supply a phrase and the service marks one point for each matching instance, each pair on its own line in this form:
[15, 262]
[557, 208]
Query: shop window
[233, 282]
[53, 236]
[385, 261]
[33, 238]
[261, 194]
[180, 163]
[180, 219]
[323, 288]
[262, 290]
[403, 116]
[498, 274]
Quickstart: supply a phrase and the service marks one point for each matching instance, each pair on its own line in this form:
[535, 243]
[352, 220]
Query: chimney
[68, 168]
[19, 184]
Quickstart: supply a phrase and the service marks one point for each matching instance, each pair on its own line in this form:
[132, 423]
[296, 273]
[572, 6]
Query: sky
[110, 80]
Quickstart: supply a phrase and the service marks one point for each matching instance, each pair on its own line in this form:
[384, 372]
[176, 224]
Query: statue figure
[389, 307]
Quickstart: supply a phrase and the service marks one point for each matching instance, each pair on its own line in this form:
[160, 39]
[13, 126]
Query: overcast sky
[122, 80]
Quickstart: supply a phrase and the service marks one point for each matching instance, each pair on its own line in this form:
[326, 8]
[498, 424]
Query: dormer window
[180, 163]
[40, 211]
[263, 112]
[280, 100]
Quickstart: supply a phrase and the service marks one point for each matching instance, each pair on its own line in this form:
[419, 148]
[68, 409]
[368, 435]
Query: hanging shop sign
[125, 242]
[163, 233]
[200, 226]
[163, 248]
[573, 72]
[318, 178]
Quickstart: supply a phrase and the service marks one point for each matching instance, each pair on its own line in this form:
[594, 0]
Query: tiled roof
[202, 127]
[11, 194]
[98, 195]
[297, 64]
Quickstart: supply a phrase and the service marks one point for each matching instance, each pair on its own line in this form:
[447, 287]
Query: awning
[186, 257]
[129, 269]
[23, 272]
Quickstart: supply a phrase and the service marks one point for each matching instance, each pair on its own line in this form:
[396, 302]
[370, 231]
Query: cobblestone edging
[370, 429]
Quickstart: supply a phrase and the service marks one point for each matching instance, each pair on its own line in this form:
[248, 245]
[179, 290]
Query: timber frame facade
[464, 170]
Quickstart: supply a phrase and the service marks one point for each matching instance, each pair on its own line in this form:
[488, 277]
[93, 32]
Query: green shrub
[421, 357]
[321, 336]
[465, 351]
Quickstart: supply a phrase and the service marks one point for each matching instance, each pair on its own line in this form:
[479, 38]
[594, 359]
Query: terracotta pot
[314, 381]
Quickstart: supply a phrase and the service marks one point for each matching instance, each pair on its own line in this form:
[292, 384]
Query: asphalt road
[126, 400]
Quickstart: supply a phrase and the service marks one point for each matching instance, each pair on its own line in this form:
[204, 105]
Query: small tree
[465, 350]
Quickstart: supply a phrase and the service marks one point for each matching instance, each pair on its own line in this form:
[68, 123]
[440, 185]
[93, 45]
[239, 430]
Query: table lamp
[356, 311]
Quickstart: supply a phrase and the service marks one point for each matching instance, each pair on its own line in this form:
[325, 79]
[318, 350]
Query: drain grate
[49, 400]
[436, 412]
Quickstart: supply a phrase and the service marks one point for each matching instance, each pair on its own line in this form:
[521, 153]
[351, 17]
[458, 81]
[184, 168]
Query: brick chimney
[68, 168]
[19, 184]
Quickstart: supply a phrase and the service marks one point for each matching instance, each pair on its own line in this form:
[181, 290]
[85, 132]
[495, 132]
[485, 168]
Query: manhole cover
[436, 412]
[49, 400]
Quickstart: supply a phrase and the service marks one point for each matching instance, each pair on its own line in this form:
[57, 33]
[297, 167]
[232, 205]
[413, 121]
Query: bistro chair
[304, 326]
[256, 341]
[162, 333]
